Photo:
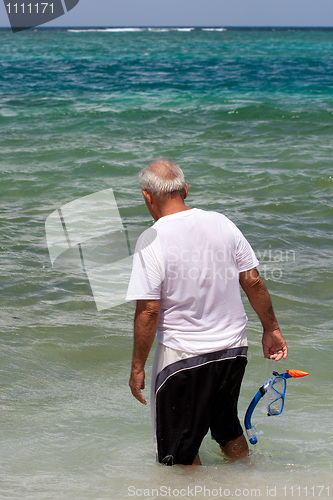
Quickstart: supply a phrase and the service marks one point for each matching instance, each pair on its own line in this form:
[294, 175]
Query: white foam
[158, 30]
[214, 29]
[184, 29]
[104, 30]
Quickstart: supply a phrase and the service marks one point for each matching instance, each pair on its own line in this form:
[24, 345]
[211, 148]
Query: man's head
[163, 179]
[163, 187]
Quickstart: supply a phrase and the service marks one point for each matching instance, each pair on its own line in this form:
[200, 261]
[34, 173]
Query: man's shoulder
[146, 238]
[215, 215]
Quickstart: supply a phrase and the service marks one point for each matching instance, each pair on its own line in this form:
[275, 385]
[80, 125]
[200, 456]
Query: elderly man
[186, 277]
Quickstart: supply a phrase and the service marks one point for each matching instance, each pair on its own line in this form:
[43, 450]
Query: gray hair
[162, 178]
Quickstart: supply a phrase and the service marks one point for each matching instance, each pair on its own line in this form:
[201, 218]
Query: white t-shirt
[191, 261]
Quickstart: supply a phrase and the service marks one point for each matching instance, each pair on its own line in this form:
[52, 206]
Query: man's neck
[172, 207]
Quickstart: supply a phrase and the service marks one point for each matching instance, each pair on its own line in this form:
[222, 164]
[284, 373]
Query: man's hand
[137, 383]
[145, 322]
[274, 345]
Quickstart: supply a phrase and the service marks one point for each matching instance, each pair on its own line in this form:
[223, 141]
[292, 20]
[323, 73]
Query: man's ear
[186, 191]
[147, 196]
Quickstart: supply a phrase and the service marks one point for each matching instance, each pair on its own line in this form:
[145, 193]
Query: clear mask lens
[276, 406]
[279, 385]
[275, 396]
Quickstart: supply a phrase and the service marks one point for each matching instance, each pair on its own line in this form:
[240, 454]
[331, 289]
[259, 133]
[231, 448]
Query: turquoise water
[249, 117]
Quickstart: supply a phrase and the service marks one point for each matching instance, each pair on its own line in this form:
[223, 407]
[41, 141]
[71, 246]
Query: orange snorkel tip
[297, 373]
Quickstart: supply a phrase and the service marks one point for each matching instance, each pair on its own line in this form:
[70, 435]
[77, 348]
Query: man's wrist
[270, 329]
[137, 367]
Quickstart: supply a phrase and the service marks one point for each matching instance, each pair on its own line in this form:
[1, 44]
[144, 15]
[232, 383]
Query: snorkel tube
[269, 386]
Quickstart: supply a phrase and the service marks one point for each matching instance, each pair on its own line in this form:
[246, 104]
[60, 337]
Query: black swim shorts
[194, 395]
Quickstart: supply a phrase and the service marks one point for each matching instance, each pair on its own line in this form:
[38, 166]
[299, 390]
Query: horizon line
[179, 26]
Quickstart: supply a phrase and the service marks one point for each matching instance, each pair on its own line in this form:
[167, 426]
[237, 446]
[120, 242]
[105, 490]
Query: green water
[248, 115]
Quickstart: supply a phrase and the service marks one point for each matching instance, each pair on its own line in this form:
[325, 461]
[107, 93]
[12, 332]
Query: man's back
[193, 267]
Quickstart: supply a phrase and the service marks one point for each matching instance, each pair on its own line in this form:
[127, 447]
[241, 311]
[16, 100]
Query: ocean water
[248, 114]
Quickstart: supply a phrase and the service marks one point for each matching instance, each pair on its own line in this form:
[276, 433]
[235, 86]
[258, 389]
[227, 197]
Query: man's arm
[145, 324]
[274, 345]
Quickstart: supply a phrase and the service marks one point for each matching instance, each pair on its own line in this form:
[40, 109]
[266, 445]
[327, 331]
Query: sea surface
[248, 114]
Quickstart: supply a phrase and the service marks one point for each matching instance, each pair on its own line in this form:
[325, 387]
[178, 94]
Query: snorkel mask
[275, 388]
